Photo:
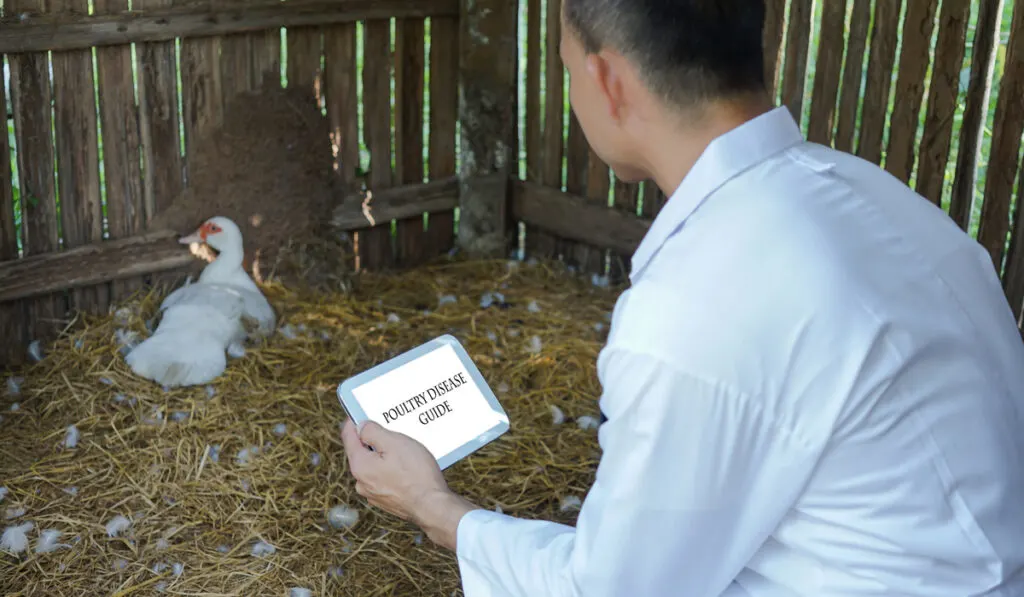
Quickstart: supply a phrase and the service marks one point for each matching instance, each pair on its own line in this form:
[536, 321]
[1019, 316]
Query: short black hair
[688, 51]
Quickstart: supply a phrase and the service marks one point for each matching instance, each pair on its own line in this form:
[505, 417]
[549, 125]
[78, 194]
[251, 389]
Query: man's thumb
[373, 435]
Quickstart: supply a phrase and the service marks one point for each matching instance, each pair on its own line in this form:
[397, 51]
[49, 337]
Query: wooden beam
[488, 77]
[39, 33]
[92, 264]
[397, 203]
[575, 218]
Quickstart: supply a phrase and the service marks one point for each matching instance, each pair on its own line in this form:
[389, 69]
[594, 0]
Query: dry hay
[269, 167]
[147, 454]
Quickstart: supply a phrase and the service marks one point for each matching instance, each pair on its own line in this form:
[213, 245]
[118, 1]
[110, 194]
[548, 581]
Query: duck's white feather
[188, 346]
[254, 307]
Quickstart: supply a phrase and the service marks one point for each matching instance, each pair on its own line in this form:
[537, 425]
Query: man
[814, 385]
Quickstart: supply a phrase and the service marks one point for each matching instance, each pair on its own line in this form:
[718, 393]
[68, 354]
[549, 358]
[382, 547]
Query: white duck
[201, 320]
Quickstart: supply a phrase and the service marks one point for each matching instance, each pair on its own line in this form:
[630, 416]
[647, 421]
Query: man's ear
[602, 68]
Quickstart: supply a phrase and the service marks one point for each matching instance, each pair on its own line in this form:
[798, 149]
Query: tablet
[433, 393]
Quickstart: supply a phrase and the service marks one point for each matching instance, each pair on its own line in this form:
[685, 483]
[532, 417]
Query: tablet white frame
[358, 415]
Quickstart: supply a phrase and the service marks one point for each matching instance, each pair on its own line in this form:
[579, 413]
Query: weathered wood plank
[488, 79]
[538, 243]
[396, 203]
[13, 317]
[592, 258]
[78, 176]
[827, 73]
[265, 49]
[942, 99]
[798, 40]
[91, 264]
[158, 120]
[410, 57]
[577, 154]
[774, 27]
[879, 80]
[849, 101]
[47, 32]
[375, 247]
[201, 88]
[305, 47]
[571, 216]
[913, 67]
[626, 196]
[30, 102]
[444, 114]
[343, 98]
[1013, 278]
[979, 88]
[121, 145]
[1006, 139]
[534, 118]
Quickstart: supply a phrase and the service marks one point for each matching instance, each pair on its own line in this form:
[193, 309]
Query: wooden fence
[930, 90]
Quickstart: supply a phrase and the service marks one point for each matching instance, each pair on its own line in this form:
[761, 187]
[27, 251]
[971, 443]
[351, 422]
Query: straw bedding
[172, 462]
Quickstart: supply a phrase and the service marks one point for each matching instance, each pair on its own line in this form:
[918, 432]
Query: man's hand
[401, 476]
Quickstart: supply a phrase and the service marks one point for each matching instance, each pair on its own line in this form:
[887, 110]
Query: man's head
[636, 65]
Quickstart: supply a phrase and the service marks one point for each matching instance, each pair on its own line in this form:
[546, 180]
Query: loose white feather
[15, 538]
[117, 525]
[47, 541]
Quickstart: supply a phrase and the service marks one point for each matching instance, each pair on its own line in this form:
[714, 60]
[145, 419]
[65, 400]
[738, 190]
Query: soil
[268, 167]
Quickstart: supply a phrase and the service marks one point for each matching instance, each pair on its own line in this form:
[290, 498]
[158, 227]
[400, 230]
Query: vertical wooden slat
[13, 317]
[30, 101]
[411, 245]
[577, 153]
[343, 98]
[119, 128]
[827, 72]
[236, 69]
[539, 243]
[158, 120]
[942, 98]
[375, 244]
[534, 121]
[444, 114]
[304, 51]
[913, 67]
[592, 259]
[774, 27]
[626, 197]
[1013, 278]
[879, 79]
[201, 93]
[979, 88]
[1002, 164]
[78, 176]
[849, 102]
[265, 48]
[798, 40]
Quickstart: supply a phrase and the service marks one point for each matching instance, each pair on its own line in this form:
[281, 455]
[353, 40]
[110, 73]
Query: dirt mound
[268, 167]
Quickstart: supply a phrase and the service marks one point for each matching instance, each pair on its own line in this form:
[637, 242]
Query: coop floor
[171, 462]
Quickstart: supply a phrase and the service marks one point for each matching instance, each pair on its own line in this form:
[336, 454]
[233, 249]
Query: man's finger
[354, 448]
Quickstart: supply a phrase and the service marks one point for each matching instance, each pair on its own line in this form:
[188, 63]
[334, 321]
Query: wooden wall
[103, 144]
[930, 90]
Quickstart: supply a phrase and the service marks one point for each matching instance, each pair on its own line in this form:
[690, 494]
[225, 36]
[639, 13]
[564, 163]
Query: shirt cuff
[471, 548]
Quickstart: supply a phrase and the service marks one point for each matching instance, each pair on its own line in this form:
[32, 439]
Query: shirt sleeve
[693, 478]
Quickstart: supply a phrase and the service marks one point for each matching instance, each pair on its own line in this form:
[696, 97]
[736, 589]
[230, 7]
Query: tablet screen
[433, 399]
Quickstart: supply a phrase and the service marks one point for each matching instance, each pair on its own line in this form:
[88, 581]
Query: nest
[205, 474]
[269, 167]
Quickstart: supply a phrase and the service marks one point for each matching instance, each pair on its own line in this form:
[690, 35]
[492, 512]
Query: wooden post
[487, 75]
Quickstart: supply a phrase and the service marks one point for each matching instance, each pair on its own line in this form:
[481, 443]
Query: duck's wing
[258, 310]
[224, 299]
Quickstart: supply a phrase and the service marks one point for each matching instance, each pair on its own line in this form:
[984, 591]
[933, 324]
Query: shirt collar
[726, 157]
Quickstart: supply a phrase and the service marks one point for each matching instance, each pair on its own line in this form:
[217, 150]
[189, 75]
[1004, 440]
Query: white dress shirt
[814, 387]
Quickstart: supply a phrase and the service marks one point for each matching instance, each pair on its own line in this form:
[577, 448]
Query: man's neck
[678, 147]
